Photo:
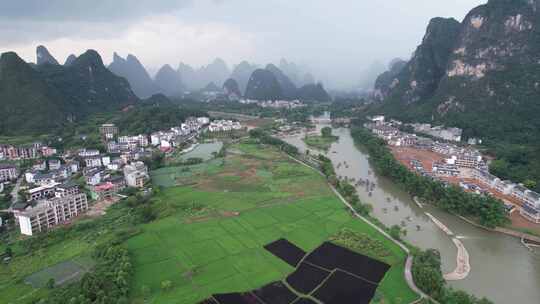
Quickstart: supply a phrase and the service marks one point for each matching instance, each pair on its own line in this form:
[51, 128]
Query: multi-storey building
[108, 131]
[136, 174]
[42, 192]
[46, 214]
[531, 207]
[8, 172]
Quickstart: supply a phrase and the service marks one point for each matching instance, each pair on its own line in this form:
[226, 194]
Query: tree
[8, 252]
[326, 132]
[166, 285]
[529, 184]
[50, 283]
[396, 232]
[145, 290]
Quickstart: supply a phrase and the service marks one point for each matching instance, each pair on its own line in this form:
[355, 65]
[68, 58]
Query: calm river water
[501, 268]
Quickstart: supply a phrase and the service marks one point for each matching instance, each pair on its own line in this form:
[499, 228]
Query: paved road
[15, 191]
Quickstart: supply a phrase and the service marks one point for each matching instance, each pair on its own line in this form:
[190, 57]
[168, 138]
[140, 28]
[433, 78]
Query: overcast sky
[337, 39]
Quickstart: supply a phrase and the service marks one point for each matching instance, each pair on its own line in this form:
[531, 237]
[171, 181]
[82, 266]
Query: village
[53, 188]
[442, 157]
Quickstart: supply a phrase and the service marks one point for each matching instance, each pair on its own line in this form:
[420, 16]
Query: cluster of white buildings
[275, 104]
[459, 161]
[224, 126]
[530, 200]
[167, 140]
[449, 134]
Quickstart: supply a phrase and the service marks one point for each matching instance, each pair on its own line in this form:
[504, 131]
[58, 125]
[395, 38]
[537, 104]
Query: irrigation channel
[493, 265]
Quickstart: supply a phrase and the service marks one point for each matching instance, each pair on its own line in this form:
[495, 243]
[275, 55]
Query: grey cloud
[82, 10]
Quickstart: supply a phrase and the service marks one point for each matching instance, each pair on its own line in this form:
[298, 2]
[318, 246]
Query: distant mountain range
[186, 78]
[39, 98]
[135, 73]
[272, 84]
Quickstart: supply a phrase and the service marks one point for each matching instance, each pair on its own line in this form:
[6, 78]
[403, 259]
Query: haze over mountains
[53, 94]
[173, 82]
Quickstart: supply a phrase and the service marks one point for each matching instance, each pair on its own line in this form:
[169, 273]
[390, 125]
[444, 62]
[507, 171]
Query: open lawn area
[216, 217]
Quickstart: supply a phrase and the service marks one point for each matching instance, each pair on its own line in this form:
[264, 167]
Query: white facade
[49, 213]
[8, 173]
[136, 174]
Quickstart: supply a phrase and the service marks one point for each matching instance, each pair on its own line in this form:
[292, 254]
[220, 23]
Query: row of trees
[347, 190]
[267, 139]
[427, 275]
[489, 211]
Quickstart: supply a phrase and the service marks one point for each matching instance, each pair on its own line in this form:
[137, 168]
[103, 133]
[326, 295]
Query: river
[502, 269]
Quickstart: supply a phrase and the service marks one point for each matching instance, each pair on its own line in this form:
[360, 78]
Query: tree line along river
[502, 269]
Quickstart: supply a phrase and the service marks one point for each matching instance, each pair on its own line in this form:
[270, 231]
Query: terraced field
[217, 217]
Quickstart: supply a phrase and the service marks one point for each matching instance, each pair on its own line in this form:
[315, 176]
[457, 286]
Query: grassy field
[14, 289]
[320, 142]
[216, 217]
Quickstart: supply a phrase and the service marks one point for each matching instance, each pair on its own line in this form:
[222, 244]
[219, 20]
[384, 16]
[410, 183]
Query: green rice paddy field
[216, 218]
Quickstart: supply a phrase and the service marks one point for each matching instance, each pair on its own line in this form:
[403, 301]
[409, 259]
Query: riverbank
[498, 260]
[409, 260]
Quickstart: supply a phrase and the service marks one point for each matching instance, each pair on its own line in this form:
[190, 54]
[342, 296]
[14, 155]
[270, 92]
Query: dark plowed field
[286, 251]
[275, 293]
[343, 288]
[330, 256]
[306, 278]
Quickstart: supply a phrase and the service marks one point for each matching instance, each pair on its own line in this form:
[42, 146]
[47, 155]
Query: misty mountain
[288, 88]
[263, 85]
[189, 76]
[169, 81]
[369, 76]
[387, 80]
[292, 71]
[135, 73]
[70, 59]
[241, 73]
[195, 79]
[43, 56]
[231, 87]
[308, 79]
[216, 72]
[313, 92]
[42, 98]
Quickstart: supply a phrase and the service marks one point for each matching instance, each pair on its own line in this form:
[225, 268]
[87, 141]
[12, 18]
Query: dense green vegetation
[40, 99]
[428, 277]
[323, 141]
[487, 210]
[500, 107]
[145, 119]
